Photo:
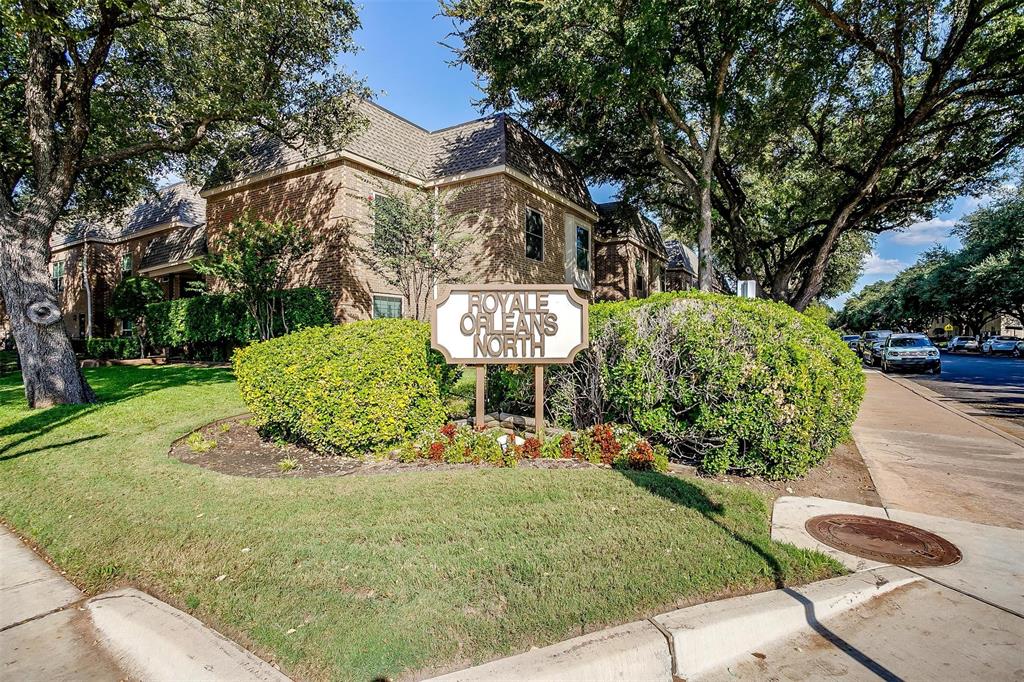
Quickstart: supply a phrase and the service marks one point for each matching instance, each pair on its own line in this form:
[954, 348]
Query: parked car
[1000, 344]
[852, 340]
[870, 347]
[910, 352]
[962, 343]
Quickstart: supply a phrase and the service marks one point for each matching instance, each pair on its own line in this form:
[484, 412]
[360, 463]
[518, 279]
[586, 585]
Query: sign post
[509, 324]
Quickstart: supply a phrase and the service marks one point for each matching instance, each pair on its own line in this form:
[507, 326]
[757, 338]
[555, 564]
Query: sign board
[746, 288]
[507, 324]
[948, 327]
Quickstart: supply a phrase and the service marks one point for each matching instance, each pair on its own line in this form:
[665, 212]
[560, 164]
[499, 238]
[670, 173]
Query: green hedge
[214, 324]
[729, 383]
[115, 348]
[355, 388]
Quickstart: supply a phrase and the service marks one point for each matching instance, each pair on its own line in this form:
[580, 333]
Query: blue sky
[403, 61]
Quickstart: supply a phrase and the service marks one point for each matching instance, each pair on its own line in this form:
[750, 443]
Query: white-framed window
[58, 275]
[534, 234]
[127, 326]
[126, 263]
[582, 248]
[387, 306]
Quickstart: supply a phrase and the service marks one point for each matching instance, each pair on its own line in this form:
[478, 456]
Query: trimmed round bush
[731, 384]
[352, 389]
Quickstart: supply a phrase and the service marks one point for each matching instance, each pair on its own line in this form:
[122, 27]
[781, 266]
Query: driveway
[925, 458]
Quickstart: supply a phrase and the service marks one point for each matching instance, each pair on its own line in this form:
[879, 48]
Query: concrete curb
[693, 640]
[951, 405]
[709, 636]
[154, 641]
[635, 651]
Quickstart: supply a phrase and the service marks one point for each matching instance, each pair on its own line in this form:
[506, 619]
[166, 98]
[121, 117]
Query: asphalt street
[987, 385]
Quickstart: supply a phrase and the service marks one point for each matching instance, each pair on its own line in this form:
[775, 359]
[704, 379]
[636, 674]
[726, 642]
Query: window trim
[586, 231]
[527, 234]
[58, 280]
[390, 297]
[127, 257]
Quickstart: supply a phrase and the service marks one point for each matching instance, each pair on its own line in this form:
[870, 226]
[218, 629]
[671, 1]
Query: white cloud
[925, 232]
[876, 265]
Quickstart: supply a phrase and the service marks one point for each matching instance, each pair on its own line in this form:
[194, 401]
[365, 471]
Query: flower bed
[613, 445]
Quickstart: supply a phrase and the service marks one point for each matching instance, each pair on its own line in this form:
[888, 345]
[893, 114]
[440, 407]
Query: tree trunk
[49, 368]
[705, 266]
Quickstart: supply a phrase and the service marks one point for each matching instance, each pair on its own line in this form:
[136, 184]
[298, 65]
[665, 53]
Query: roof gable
[405, 148]
[620, 221]
[179, 203]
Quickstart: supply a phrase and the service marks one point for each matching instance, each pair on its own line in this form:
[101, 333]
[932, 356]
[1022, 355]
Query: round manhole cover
[883, 540]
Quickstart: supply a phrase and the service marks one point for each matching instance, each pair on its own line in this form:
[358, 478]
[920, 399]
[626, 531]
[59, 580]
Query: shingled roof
[620, 221]
[179, 245]
[681, 256]
[408, 149]
[178, 203]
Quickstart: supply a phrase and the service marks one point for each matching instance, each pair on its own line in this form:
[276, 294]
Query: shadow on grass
[683, 493]
[112, 385]
[43, 448]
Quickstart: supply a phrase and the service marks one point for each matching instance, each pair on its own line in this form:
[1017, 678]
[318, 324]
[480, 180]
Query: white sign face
[509, 324]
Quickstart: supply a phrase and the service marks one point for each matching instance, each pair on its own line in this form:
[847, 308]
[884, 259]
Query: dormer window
[534, 235]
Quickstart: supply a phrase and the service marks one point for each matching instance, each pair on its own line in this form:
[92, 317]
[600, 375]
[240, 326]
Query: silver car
[1001, 344]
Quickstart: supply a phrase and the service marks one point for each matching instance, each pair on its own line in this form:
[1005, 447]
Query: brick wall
[332, 200]
[104, 274]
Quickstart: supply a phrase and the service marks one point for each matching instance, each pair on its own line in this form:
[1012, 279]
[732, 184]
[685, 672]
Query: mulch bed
[242, 451]
[843, 476]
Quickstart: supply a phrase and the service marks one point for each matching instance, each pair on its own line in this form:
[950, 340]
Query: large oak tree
[839, 119]
[98, 95]
[653, 82]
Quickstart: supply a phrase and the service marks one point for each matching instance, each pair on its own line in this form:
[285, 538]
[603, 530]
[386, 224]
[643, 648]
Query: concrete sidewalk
[49, 631]
[928, 459]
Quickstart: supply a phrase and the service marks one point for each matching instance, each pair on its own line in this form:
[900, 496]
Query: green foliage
[819, 312]
[614, 445]
[131, 296]
[835, 127]
[352, 389]
[286, 464]
[969, 287]
[208, 73]
[252, 258]
[459, 445]
[198, 443]
[212, 324]
[116, 348]
[417, 242]
[729, 383]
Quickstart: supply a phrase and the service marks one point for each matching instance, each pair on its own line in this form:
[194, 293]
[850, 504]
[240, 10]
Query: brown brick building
[157, 237]
[531, 219]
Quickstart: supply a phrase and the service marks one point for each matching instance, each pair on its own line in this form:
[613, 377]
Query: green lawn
[376, 575]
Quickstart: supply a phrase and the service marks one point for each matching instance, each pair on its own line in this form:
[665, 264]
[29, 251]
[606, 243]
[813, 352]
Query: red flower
[566, 446]
[605, 440]
[436, 452]
[642, 456]
[448, 431]
[531, 448]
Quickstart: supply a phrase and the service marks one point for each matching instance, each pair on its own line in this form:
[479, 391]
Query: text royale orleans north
[510, 324]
